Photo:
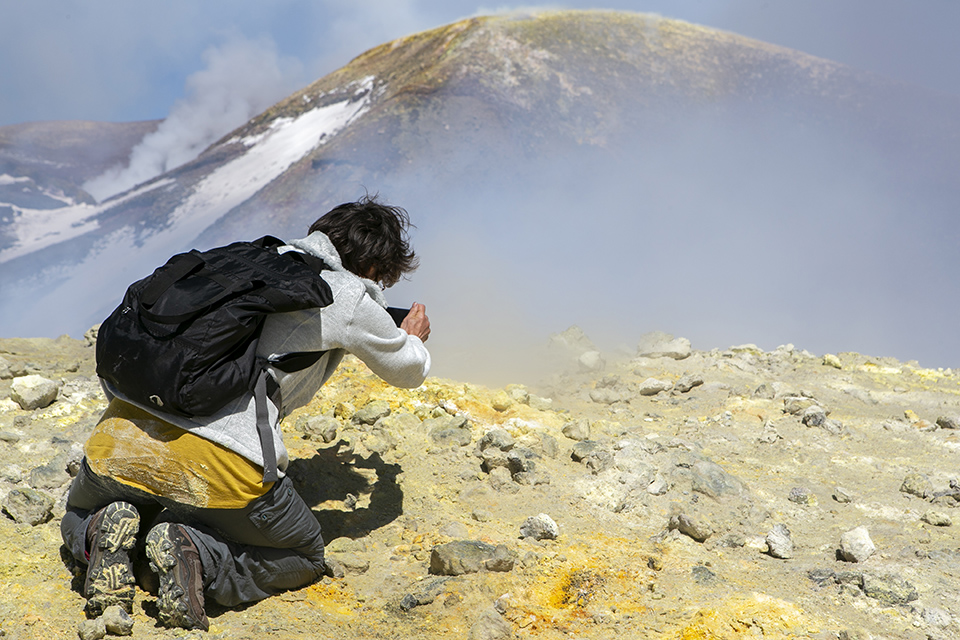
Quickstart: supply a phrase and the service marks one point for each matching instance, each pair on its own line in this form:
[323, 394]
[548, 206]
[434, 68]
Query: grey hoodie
[355, 322]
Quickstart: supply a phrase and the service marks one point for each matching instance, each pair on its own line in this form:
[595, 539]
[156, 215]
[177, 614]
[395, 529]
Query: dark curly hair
[371, 238]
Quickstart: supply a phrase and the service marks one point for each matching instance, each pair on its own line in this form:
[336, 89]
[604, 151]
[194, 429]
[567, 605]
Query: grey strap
[263, 428]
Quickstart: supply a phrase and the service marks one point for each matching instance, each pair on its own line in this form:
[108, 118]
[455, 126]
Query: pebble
[688, 382]
[319, 428]
[498, 439]
[937, 519]
[949, 422]
[490, 625]
[501, 401]
[801, 495]
[371, 412]
[117, 621]
[917, 484]
[659, 486]
[658, 344]
[653, 386]
[842, 496]
[469, 556]
[33, 392]
[92, 629]
[831, 360]
[769, 435]
[889, 589]
[577, 429]
[710, 479]
[481, 515]
[695, 528]
[28, 506]
[814, 416]
[856, 545]
[540, 527]
[591, 361]
[605, 396]
[779, 543]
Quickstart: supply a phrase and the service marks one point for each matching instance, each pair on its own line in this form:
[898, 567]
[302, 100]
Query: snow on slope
[109, 267]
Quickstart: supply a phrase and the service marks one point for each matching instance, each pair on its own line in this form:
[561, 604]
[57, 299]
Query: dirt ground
[726, 458]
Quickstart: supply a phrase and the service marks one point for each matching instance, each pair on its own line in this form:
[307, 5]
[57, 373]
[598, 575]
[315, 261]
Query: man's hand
[417, 323]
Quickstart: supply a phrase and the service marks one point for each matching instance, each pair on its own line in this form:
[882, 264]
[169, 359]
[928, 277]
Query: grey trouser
[248, 554]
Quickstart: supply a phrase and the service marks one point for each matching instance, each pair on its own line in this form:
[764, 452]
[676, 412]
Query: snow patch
[35, 229]
[6, 179]
[269, 154]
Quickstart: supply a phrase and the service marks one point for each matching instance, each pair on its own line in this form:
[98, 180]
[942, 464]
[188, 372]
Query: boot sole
[110, 575]
[173, 609]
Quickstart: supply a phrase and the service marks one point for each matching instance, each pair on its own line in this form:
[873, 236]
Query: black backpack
[184, 339]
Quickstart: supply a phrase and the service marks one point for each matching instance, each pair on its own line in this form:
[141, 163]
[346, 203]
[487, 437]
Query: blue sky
[116, 60]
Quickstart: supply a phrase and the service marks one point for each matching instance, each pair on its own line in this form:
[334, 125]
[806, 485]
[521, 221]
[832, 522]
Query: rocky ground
[668, 493]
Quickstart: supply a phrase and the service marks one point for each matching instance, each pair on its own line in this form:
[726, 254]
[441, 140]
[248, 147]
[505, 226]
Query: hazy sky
[116, 60]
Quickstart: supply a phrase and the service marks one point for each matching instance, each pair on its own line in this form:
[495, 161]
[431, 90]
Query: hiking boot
[176, 560]
[111, 537]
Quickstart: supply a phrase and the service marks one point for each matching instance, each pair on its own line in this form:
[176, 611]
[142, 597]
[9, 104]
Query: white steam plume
[242, 78]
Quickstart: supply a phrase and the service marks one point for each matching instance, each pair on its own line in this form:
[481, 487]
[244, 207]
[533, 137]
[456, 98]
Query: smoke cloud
[242, 78]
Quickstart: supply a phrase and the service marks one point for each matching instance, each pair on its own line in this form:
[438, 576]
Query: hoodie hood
[319, 245]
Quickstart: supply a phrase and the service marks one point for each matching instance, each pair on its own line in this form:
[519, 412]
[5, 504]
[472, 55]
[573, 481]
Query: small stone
[710, 479]
[92, 629]
[577, 429]
[779, 544]
[540, 527]
[481, 515]
[937, 519]
[460, 557]
[353, 563]
[889, 589]
[949, 422]
[501, 401]
[814, 416]
[688, 382]
[490, 625]
[33, 392]
[333, 569]
[501, 481]
[540, 403]
[591, 361]
[450, 436]
[658, 344]
[319, 428]
[831, 360]
[856, 545]
[117, 621]
[494, 458]
[842, 496]
[917, 484]
[498, 439]
[769, 435]
[371, 412]
[765, 392]
[695, 528]
[796, 405]
[503, 560]
[28, 506]
[801, 495]
[659, 486]
[652, 386]
[605, 396]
